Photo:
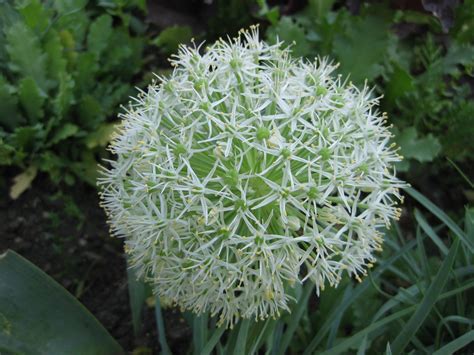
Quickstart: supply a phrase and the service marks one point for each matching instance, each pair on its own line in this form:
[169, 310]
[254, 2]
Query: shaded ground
[67, 237]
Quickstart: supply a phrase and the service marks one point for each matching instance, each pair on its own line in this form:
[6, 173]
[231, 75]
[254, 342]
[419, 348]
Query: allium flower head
[247, 171]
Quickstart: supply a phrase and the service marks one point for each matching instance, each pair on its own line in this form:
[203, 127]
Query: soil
[62, 230]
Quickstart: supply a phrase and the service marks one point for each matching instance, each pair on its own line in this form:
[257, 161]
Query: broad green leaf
[293, 34]
[64, 98]
[423, 149]
[41, 317]
[56, 61]
[26, 56]
[31, 99]
[320, 8]
[21, 183]
[9, 116]
[363, 47]
[400, 82]
[64, 131]
[99, 35]
[69, 6]
[35, 15]
[430, 298]
[171, 37]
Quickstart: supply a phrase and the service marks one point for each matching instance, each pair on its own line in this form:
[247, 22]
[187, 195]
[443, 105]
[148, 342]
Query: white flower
[244, 166]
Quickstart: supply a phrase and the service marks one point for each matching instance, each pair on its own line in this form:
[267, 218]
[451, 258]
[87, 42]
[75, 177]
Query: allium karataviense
[247, 171]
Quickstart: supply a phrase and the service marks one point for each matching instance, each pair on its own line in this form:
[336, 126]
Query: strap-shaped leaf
[38, 316]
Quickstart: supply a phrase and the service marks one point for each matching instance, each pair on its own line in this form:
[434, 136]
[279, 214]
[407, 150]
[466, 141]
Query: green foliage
[426, 80]
[38, 316]
[66, 68]
[170, 38]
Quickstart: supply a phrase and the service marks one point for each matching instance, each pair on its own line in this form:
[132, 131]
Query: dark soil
[65, 234]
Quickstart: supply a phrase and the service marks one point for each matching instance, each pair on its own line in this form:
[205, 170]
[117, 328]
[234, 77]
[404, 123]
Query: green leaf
[26, 138]
[457, 344]
[211, 343]
[90, 113]
[422, 149]
[26, 56]
[64, 98]
[56, 61]
[137, 296]
[430, 298]
[38, 316]
[160, 323]
[301, 307]
[435, 210]
[69, 6]
[9, 117]
[63, 132]
[242, 337]
[99, 35]
[400, 82]
[86, 72]
[363, 47]
[291, 32]
[7, 153]
[35, 15]
[171, 37]
[31, 99]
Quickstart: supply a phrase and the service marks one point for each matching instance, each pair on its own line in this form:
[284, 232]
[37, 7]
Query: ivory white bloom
[246, 172]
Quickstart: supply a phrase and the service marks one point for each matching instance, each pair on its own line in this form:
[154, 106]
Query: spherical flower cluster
[247, 171]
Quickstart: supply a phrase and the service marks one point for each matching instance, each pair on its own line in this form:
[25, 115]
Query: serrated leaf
[56, 61]
[25, 138]
[99, 35]
[124, 54]
[22, 182]
[362, 48]
[9, 116]
[171, 37]
[86, 70]
[293, 34]
[31, 99]
[423, 149]
[26, 56]
[64, 98]
[65, 131]
[35, 15]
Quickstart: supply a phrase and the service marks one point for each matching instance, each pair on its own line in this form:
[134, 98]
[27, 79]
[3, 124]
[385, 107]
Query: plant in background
[428, 89]
[247, 172]
[65, 67]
